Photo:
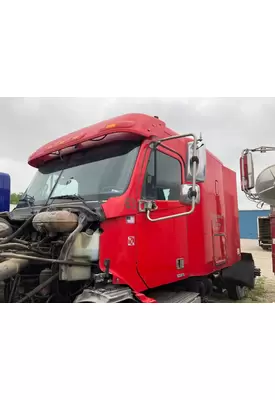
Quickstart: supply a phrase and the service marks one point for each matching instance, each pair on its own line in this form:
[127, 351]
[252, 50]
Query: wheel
[235, 292]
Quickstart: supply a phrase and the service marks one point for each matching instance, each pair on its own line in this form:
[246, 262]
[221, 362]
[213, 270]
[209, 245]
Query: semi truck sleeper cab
[125, 210]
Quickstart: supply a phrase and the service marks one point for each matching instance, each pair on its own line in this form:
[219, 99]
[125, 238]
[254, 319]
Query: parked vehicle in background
[264, 233]
[264, 192]
[5, 191]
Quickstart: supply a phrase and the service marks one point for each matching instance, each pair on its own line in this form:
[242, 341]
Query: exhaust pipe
[11, 267]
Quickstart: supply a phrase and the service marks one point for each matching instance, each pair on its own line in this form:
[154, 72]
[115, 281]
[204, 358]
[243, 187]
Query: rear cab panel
[232, 217]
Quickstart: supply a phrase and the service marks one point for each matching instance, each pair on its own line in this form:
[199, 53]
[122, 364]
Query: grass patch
[258, 294]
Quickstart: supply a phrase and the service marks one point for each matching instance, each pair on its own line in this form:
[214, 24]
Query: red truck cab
[165, 212]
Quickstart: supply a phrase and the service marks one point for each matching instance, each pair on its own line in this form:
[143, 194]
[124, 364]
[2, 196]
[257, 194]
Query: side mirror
[247, 172]
[185, 194]
[201, 168]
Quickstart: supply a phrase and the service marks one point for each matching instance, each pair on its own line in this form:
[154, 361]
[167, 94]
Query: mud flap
[242, 273]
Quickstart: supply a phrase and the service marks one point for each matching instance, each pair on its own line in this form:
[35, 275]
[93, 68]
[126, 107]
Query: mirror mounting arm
[262, 149]
[194, 162]
[194, 159]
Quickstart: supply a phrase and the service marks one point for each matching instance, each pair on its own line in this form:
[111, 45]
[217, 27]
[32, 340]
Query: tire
[236, 292]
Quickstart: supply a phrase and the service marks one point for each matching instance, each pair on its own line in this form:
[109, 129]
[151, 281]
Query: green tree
[14, 199]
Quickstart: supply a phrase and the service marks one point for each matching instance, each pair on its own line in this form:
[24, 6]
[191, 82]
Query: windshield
[94, 174]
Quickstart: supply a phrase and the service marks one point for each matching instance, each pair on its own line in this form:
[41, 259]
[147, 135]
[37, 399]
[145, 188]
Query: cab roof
[128, 126]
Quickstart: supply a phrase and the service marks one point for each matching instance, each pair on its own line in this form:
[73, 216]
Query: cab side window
[164, 183]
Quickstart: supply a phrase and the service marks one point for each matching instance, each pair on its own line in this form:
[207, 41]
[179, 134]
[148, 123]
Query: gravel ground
[263, 260]
[264, 291]
[262, 257]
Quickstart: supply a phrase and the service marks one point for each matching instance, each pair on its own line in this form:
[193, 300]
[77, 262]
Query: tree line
[14, 199]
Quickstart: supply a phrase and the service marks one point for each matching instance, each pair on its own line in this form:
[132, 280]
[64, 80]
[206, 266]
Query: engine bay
[52, 256]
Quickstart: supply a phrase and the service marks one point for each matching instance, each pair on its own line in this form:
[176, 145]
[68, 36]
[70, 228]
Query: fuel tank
[265, 185]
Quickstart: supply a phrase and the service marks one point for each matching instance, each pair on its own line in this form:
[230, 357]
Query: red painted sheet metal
[139, 124]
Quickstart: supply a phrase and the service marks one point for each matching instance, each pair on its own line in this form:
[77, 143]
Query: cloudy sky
[228, 126]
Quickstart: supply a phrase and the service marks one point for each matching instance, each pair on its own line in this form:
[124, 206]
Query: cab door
[162, 245]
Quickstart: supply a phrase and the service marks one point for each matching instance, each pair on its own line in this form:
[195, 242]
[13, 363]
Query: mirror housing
[247, 171]
[185, 194]
[201, 168]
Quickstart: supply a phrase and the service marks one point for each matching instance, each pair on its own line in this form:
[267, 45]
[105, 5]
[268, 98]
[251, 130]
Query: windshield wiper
[28, 199]
[73, 197]
[67, 196]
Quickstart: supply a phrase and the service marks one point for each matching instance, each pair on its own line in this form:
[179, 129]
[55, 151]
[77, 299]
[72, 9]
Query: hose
[19, 246]
[44, 260]
[15, 284]
[39, 287]
[33, 246]
[16, 246]
[17, 233]
[64, 253]
[68, 243]
[21, 241]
